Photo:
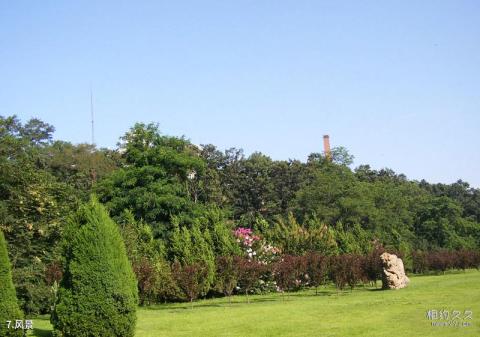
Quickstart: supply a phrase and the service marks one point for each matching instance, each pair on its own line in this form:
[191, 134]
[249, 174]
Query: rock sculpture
[393, 276]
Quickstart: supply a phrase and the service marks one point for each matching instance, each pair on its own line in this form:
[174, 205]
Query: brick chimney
[326, 147]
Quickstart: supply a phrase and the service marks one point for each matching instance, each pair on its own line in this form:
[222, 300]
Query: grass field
[363, 312]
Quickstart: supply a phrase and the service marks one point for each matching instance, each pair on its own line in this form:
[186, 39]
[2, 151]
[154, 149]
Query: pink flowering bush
[258, 250]
[255, 247]
[248, 241]
[246, 236]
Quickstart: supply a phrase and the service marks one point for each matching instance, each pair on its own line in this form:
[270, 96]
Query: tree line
[178, 207]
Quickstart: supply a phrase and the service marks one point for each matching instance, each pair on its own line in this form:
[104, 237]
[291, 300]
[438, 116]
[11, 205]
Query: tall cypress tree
[9, 309]
[98, 293]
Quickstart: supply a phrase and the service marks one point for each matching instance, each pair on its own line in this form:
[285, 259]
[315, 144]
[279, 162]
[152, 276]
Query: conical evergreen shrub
[98, 292]
[9, 309]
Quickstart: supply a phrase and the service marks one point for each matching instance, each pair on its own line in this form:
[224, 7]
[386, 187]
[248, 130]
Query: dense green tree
[98, 292]
[460, 191]
[79, 165]
[295, 239]
[229, 166]
[138, 238]
[331, 194]
[9, 309]
[154, 181]
[33, 206]
[439, 223]
[287, 178]
[192, 245]
[255, 188]
[247, 184]
[147, 256]
[354, 240]
[341, 156]
[17, 138]
[220, 231]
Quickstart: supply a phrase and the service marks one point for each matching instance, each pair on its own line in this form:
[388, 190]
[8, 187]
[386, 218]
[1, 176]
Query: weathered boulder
[393, 276]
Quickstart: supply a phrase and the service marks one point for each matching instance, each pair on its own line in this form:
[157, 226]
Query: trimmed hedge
[98, 292]
[9, 309]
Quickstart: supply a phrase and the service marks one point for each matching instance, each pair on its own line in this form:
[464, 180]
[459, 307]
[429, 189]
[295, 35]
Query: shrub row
[442, 260]
[291, 273]
[239, 275]
[236, 274]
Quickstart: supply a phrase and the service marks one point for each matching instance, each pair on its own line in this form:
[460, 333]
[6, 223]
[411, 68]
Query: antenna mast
[92, 116]
[93, 172]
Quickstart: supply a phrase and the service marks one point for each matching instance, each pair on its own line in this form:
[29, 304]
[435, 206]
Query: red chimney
[326, 147]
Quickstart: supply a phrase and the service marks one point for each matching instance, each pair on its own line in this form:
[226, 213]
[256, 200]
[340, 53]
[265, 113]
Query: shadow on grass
[440, 273]
[320, 292]
[41, 333]
[242, 300]
[177, 307]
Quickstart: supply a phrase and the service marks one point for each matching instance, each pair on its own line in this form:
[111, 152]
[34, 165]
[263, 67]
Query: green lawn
[363, 312]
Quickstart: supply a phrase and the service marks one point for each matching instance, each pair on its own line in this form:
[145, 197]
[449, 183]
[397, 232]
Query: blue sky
[397, 83]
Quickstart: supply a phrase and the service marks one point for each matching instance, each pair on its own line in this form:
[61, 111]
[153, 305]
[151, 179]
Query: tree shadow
[197, 305]
[175, 307]
[242, 300]
[323, 293]
[187, 306]
[320, 292]
[41, 333]
[260, 300]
